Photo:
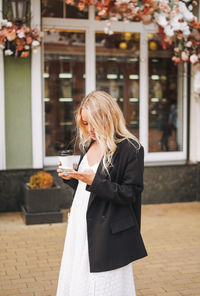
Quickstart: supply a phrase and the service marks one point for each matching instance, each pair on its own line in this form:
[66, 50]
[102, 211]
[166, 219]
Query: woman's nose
[90, 128]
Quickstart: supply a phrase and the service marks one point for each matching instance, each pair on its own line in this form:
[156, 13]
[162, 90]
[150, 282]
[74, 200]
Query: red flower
[81, 6]
[24, 54]
[29, 40]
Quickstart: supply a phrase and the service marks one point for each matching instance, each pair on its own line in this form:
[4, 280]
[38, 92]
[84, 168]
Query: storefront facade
[39, 94]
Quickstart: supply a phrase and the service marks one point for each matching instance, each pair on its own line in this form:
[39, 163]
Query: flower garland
[18, 40]
[176, 23]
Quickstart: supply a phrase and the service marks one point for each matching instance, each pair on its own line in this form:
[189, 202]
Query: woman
[103, 233]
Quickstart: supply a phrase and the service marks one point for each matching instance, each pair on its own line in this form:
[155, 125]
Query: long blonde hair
[106, 117]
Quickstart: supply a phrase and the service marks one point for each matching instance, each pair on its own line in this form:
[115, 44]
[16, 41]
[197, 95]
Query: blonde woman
[103, 234]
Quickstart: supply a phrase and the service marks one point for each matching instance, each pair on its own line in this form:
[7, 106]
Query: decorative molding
[36, 94]
[2, 107]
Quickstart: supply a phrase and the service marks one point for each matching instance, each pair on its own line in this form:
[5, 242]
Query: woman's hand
[87, 176]
[66, 177]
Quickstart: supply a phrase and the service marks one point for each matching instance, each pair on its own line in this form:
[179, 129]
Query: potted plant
[42, 199]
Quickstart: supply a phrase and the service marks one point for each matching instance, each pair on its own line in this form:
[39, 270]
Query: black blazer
[114, 210]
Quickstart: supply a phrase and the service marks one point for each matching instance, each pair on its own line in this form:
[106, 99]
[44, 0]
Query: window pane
[64, 87]
[117, 72]
[58, 8]
[165, 100]
[52, 8]
[74, 12]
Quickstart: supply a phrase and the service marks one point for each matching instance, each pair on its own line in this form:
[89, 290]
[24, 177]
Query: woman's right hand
[59, 171]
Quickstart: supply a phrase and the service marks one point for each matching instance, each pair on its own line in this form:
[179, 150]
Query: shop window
[117, 72]
[165, 100]
[64, 87]
[131, 65]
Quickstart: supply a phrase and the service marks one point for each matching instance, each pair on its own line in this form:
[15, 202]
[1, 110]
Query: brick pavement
[30, 256]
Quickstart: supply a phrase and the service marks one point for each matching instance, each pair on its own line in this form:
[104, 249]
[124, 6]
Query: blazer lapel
[99, 171]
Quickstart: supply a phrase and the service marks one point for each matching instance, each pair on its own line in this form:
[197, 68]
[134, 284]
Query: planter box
[42, 200]
[41, 218]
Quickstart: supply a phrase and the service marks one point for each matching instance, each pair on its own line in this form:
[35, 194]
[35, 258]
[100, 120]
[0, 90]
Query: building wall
[162, 184]
[18, 112]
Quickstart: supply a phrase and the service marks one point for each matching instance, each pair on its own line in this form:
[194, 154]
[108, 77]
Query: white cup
[66, 160]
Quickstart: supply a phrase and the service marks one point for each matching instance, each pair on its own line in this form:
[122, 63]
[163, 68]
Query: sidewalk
[30, 256]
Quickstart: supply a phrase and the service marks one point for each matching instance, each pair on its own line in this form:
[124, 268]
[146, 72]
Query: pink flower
[176, 60]
[81, 6]
[69, 1]
[176, 49]
[29, 40]
[188, 44]
[146, 19]
[35, 32]
[11, 35]
[194, 59]
[184, 56]
[164, 6]
[26, 30]
[197, 35]
[102, 12]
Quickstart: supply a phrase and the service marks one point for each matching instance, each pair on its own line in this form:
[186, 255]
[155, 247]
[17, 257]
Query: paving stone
[30, 255]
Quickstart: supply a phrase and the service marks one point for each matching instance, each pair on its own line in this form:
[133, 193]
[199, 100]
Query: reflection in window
[64, 87]
[117, 72]
[74, 12]
[52, 8]
[165, 105]
[58, 8]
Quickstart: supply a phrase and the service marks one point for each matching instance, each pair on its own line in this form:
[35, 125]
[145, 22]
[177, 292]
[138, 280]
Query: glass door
[117, 72]
[64, 86]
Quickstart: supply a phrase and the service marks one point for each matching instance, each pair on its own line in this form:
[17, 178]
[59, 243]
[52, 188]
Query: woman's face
[88, 126]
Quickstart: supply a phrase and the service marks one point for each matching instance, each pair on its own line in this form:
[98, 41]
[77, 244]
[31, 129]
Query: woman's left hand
[87, 176]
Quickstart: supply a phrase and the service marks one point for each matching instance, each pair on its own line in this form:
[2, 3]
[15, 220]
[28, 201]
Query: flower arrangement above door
[176, 23]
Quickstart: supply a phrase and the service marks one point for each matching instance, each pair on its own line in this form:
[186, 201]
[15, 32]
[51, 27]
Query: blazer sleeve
[125, 192]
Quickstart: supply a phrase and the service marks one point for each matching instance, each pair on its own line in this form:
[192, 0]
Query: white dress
[75, 278]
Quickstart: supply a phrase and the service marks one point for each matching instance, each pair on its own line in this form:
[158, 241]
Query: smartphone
[66, 171]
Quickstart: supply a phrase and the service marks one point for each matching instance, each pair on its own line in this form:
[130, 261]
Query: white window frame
[36, 94]
[90, 26]
[2, 107]
[194, 140]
